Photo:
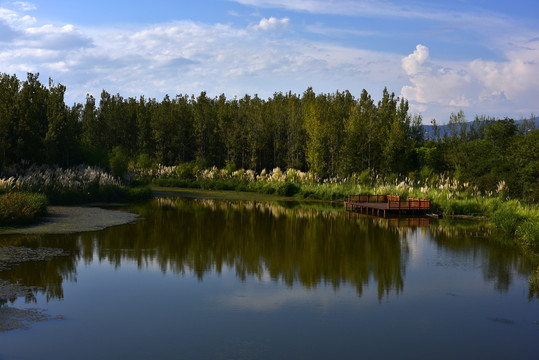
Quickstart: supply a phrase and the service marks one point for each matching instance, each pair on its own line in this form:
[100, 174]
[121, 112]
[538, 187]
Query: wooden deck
[385, 204]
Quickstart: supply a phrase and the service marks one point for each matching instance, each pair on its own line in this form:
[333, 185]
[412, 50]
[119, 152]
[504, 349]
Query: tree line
[328, 134]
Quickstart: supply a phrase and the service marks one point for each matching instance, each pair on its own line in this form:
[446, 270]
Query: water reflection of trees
[41, 277]
[471, 243]
[254, 238]
[291, 243]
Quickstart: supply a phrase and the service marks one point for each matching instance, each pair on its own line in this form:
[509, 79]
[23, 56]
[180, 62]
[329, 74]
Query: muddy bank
[12, 318]
[12, 255]
[60, 220]
[16, 254]
[70, 219]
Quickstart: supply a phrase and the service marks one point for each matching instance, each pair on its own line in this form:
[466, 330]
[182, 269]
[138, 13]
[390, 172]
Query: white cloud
[52, 37]
[341, 7]
[188, 57]
[379, 8]
[13, 19]
[413, 63]
[478, 85]
[272, 24]
[24, 6]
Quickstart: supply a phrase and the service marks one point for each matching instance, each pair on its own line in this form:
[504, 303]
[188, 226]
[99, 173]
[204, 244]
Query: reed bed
[67, 186]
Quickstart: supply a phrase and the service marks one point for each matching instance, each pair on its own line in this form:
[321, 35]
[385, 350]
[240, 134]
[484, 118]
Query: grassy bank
[26, 191]
[21, 208]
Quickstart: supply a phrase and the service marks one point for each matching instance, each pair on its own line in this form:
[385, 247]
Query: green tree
[396, 144]
[316, 150]
[359, 130]
[32, 124]
[9, 118]
[119, 162]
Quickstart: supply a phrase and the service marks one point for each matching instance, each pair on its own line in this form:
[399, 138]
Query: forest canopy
[330, 135]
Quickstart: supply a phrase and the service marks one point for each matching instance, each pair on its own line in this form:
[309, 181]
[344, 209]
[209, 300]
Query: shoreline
[59, 220]
[72, 219]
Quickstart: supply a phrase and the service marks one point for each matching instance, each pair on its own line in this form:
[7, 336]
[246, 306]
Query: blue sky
[443, 56]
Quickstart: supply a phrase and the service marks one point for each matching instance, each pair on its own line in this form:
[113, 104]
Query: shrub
[119, 162]
[145, 161]
[173, 183]
[137, 193]
[463, 207]
[21, 208]
[287, 189]
[507, 219]
[186, 171]
[267, 189]
[528, 233]
[365, 177]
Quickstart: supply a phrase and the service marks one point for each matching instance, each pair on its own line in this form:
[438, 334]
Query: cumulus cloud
[14, 19]
[483, 86]
[413, 63]
[272, 24]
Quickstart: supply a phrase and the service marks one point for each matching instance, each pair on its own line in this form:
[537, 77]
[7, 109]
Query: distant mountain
[429, 129]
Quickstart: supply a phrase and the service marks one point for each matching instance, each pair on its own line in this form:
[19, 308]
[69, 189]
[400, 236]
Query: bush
[463, 207]
[137, 193]
[507, 220]
[528, 233]
[174, 183]
[119, 162]
[365, 177]
[21, 208]
[186, 171]
[145, 161]
[287, 189]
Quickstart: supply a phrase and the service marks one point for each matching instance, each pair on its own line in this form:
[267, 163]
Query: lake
[203, 278]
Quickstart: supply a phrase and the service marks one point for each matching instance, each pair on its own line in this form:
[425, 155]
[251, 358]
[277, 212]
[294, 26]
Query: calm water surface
[217, 279]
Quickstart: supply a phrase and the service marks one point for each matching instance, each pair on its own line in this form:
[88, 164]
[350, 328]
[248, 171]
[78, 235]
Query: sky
[478, 56]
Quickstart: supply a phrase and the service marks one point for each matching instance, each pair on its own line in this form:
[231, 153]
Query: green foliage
[187, 170]
[528, 233]
[97, 157]
[119, 162]
[136, 193]
[21, 208]
[365, 177]
[287, 189]
[463, 207]
[144, 161]
[507, 219]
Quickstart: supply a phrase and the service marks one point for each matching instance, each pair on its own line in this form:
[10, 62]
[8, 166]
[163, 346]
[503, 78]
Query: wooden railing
[367, 198]
[393, 201]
